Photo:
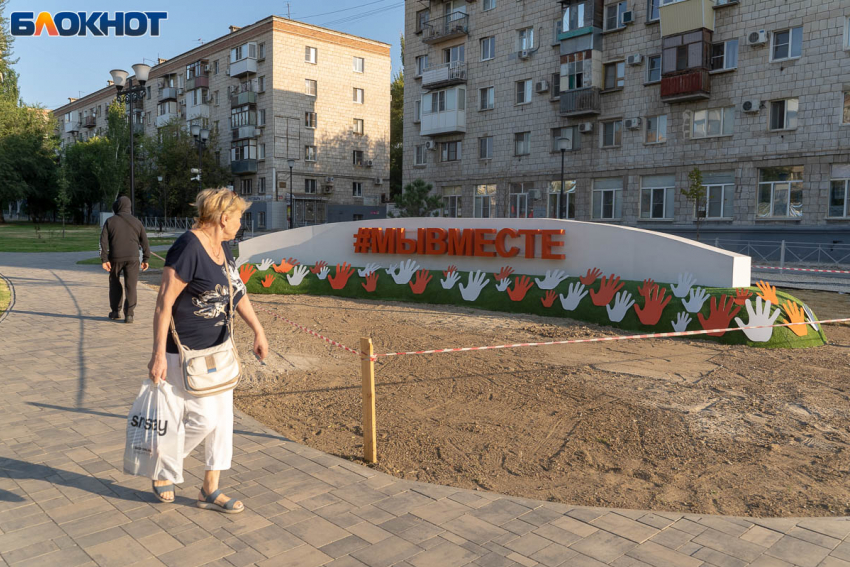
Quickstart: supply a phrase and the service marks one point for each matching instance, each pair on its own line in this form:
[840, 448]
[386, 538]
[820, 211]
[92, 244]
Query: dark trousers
[130, 269]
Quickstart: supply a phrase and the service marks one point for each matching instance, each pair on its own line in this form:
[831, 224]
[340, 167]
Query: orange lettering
[481, 241]
[500, 243]
[404, 245]
[547, 244]
[383, 241]
[435, 241]
[460, 242]
[529, 241]
[420, 240]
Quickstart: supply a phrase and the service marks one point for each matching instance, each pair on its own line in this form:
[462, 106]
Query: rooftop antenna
[288, 15]
[201, 40]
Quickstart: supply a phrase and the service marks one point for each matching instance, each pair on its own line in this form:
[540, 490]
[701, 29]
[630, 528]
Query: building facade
[637, 94]
[275, 91]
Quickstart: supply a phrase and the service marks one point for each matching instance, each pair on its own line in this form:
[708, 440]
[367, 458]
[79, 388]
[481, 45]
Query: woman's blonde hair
[213, 203]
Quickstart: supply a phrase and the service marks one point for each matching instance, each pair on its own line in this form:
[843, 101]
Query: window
[576, 16]
[607, 198]
[245, 187]
[615, 75]
[215, 98]
[568, 132]
[420, 157]
[576, 77]
[713, 122]
[357, 157]
[685, 51]
[783, 114]
[444, 101]
[417, 111]
[612, 134]
[653, 69]
[653, 12]
[657, 196]
[358, 128]
[719, 193]
[485, 202]
[262, 152]
[246, 51]
[247, 220]
[656, 129]
[215, 67]
[311, 88]
[359, 65]
[488, 5]
[786, 44]
[558, 27]
[839, 199]
[724, 56]
[486, 98]
[261, 186]
[488, 48]
[261, 219]
[555, 92]
[526, 39]
[358, 96]
[261, 51]
[455, 54]
[242, 116]
[261, 117]
[845, 115]
[356, 189]
[422, 18]
[518, 201]
[261, 84]
[523, 91]
[310, 119]
[614, 16]
[310, 186]
[310, 55]
[421, 64]
[485, 147]
[452, 202]
[309, 153]
[553, 205]
[780, 192]
[522, 143]
[356, 217]
[450, 151]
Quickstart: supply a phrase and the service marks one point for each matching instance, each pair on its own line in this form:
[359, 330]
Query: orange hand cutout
[607, 289]
[246, 271]
[505, 272]
[521, 287]
[591, 276]
[653, 305]
[339, 279]
[719, 318]
[549, 299]
[768, 292]
[268, 281]
[451, 269]
[648, 286]
[320, 265]
[285, 266]
[371, 282]
[743, 294]
[422, 279]
[796, 315]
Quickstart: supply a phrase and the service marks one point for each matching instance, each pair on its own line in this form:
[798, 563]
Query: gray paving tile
[386, 552]
[797, 551]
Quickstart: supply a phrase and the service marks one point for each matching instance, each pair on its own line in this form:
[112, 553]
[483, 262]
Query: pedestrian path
[68, 377]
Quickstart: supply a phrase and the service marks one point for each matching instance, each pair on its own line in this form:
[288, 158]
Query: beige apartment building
[637, 93]
[276, 90]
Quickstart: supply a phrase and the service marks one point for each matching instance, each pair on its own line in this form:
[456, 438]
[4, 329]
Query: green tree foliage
[416, 201]
[397, 127]
[695, 193]
[8, 76]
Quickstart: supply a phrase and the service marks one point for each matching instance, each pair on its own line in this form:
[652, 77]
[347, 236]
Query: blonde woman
[195, 292]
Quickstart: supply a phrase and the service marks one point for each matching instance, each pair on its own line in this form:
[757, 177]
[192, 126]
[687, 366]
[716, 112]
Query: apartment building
[275, 91]
[637, 94]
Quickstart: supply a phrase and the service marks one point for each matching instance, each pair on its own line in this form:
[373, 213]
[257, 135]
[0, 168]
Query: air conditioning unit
[534, 194]
[724, 2]
[431, 145]
[379, 181]
[757, 38]
[751, 106]
[368, 163]
[636, 59]
[180, 90]
[329, 180]
[585, 127]
[183, 102]
[628, 17]
[525, 54]
[541, 86]
[206, 68]
[329, 189]
[632, 123]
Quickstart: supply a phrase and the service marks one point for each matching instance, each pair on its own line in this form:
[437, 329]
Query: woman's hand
[157, 368]
[261, 345]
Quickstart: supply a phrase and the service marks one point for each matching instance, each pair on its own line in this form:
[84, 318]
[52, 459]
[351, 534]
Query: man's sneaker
[128, 319]
[114, 315]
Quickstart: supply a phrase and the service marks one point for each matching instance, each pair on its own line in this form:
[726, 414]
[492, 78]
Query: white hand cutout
[576, 293]
[696, 300]
[324, 273]
[265, 264]
[503, 284]
[392, 270]
[686, 282]
[811, 316]
[552, 279]
[450, 280]
[682, 321]
[475, 283]
[405, 272]
[368, 270]
[297, 275]
[622, 303]
[241, 261]
[761, 316]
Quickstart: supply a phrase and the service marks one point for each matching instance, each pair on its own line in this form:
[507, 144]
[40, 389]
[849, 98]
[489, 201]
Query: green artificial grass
[492, 299]
[5, 296]
[23, 237]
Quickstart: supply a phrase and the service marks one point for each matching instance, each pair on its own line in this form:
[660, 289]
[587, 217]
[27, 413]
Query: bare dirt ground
[675, 425]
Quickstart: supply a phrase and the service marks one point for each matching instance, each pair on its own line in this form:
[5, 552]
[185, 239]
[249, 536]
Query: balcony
[580, 102]
[693, 85]
[686, 15]
[447, 122]
[243, 166]
[243, 98]
[90, 121]
[72, 126]
[446, 27]
[443, 75]
[198, 111]
[167, 93]
[247, 131]
[243, 67]
[197, 82]
[138, 128]
[164, 119]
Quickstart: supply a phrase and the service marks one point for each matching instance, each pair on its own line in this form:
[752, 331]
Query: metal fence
[782, 253]
[167, 224]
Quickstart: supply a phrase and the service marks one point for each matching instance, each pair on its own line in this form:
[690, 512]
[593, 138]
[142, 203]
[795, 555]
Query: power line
[341, 10]
[361, 16]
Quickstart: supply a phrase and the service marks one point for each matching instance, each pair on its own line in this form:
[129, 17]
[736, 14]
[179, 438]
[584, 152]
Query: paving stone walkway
[68, 377]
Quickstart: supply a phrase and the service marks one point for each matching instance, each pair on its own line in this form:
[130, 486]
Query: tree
[8, 77]
[695, 193]
[397, 127]
[62, 199]
[416, 201]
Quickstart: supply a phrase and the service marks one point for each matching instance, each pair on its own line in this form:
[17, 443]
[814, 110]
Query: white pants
[208, 419]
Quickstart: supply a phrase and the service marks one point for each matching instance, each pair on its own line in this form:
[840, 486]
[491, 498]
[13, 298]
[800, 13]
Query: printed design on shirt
[212, 304]
[235, 279]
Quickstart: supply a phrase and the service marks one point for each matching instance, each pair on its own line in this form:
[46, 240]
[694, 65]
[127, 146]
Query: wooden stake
[367, 366]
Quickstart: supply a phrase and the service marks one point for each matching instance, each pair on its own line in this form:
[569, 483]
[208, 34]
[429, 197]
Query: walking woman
[199, 276]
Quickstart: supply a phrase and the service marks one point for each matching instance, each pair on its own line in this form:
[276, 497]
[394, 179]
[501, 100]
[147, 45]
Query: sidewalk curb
[11, 300]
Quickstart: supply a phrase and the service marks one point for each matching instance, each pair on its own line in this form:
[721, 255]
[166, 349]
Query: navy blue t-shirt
[201, 310]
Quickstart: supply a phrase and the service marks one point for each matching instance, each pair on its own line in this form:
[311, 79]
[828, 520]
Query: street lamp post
[164, 201]
[291, 163]
[128, 94]
[564, 144]
[201, 136]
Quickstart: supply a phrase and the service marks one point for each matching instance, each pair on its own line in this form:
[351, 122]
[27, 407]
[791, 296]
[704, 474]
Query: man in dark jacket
[120, 240]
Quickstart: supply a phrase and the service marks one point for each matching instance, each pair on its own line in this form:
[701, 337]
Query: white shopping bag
[155, 434]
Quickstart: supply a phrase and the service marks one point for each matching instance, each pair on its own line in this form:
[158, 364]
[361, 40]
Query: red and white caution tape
[311, 332]
[802, 270]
